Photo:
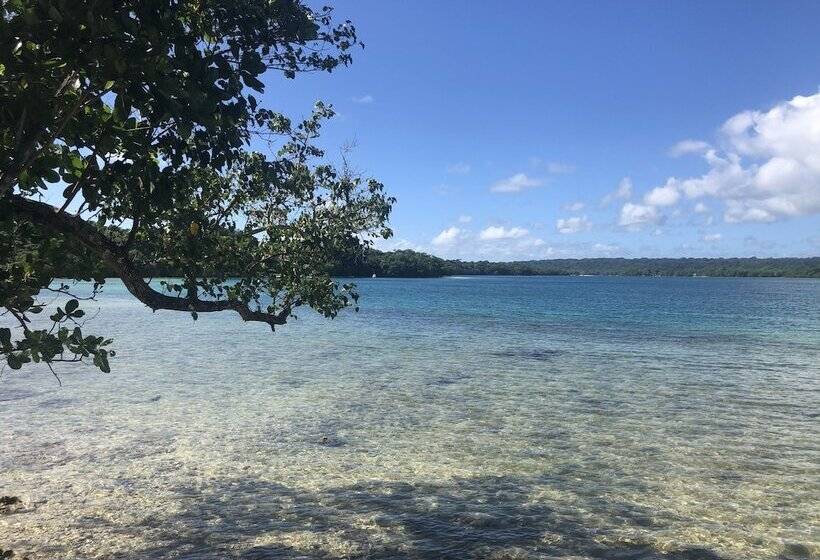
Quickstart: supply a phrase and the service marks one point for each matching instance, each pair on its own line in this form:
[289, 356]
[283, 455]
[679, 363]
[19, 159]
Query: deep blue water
[492, 417]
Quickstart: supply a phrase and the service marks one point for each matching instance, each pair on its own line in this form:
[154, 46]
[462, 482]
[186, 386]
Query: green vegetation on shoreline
[412, 264]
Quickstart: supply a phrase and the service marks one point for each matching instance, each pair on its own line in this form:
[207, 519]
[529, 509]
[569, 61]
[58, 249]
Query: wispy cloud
[685, 147]
[364, 99]
[605, 248]
[574, 206]
[393, 244]
[516, 183]
[464, 219]
[623, 192]
[459, 168]
[712, 237]
[551, 167]
[559, 168]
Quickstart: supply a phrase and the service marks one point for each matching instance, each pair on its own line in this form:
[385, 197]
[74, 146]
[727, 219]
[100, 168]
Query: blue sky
[514, 130]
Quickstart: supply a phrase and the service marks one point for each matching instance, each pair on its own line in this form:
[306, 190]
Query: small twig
[54, 373]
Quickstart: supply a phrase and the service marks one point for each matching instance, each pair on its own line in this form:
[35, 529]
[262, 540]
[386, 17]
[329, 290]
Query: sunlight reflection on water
[479, 418]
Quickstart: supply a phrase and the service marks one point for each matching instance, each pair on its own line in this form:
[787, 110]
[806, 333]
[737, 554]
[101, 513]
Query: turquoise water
[451, 418]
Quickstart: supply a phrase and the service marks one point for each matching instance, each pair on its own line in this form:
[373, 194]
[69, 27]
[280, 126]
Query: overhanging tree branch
[157, 133]
[117, 258]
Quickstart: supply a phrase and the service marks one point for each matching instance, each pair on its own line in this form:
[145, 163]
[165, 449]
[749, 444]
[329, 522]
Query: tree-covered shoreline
[413, 264]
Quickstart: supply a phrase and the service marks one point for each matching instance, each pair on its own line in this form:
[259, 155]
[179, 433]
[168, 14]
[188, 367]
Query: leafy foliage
[407, 263]
[144, 115]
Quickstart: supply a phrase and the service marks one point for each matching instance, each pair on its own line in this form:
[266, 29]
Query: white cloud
[770, 169]
[575, 206]
[573, 225]
[667, 195]
[364, 99]
[499, 232]
[685, 147]
[623, 192]
[464, 219]
[516, 183]
[790, 129]
[712, 237]
[635, 216]
[459, 168]
[493, 243]
[701, 208]
[737, 211]
[447, 236]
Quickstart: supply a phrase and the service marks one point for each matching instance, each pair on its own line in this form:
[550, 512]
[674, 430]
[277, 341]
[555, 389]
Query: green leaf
[253, 83]
[122, 107]
[5, 337]
[101, 361]
[51, 175]
[71, 306]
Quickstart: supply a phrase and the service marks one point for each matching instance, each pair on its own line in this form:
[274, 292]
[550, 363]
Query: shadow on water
[536, 354]
[489, 517]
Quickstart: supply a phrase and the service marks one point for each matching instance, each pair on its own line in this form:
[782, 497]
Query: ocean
[471, 417]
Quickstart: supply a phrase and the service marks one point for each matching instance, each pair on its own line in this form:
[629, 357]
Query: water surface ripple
[531, 418]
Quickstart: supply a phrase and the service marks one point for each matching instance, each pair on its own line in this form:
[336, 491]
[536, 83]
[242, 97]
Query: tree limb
[117, 257]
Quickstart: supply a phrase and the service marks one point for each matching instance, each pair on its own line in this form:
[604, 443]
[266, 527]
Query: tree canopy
[136, 132]
[413, 264]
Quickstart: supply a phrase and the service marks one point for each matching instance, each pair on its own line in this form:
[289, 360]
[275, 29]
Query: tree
[145, 115]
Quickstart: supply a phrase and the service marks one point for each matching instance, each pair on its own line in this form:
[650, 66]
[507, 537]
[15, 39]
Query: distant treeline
[412, 264]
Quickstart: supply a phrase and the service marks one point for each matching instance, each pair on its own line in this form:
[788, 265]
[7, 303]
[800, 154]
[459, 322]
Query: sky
[529, 130]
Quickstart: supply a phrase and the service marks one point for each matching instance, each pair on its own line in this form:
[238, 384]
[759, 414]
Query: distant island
[413, 264]
[407, 263]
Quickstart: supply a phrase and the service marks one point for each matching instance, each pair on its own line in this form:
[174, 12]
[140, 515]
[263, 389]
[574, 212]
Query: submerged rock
[798, 551]
[9, 505]
[4, 554]
[537, 354]
[331, 441]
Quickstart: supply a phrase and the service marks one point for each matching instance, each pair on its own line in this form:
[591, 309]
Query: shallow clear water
[450, 418]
